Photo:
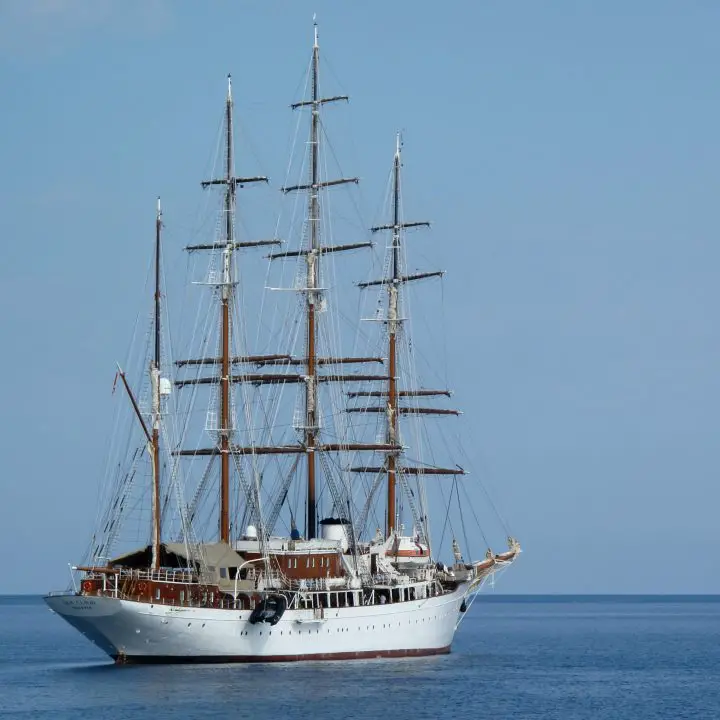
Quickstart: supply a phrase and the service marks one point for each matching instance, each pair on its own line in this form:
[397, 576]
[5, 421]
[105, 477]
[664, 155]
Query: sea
[550, 657]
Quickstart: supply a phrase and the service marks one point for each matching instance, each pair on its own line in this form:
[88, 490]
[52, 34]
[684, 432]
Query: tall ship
[266, 496]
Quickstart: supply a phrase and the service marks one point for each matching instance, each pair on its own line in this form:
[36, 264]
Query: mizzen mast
[226, 287]
[156, 396]
[157, 390]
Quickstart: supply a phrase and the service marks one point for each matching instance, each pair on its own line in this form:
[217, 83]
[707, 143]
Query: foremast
[393, 324]
[393, 282]
[392, 328]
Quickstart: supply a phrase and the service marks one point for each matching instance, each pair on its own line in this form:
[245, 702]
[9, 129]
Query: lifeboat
[269, 610]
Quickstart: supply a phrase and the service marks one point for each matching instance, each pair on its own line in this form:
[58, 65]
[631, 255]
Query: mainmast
[311, 425]
[156, 395]
[226, 290]
[313, 292]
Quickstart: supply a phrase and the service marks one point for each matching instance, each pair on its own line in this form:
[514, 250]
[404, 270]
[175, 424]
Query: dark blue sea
[576, 657]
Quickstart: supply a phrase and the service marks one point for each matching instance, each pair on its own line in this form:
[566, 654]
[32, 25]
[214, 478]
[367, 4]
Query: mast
[392, 287]
[311, 295]
[310, 443]
[394, 282]
[224, 520]
[153, 437]
[226, 245]
[155, 382]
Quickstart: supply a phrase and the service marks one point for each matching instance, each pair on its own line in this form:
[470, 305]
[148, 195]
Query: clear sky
[568, 155]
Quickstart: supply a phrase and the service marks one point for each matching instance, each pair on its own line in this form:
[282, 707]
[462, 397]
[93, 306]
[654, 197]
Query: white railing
[184, 577]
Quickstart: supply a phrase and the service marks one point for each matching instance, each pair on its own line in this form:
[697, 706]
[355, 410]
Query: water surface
[565, 658]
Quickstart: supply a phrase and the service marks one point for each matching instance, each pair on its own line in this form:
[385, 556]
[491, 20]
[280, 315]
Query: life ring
[87, 586]
[141, 587]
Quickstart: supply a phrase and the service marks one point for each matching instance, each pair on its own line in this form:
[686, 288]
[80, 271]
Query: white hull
[141, 632]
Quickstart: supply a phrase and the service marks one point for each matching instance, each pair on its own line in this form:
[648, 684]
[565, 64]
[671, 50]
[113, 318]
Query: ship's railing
[380, 588]
[163, 575]
[373, 594]
[182, 576]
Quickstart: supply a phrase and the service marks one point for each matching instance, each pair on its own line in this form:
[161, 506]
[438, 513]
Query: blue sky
[567, 154]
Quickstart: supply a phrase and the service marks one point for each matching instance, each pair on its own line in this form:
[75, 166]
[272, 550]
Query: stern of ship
[94, 617]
